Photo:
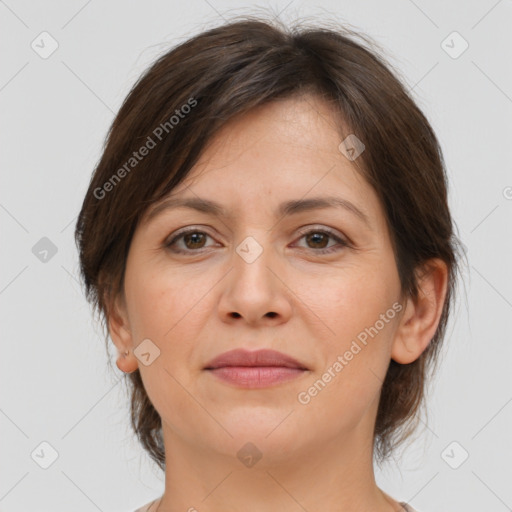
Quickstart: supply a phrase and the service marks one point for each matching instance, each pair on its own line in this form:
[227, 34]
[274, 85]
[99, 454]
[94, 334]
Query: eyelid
[319, 227]
[302, 231]
[183, 231]
[340, 238]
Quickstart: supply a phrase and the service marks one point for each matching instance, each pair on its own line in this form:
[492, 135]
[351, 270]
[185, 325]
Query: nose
[255, 290]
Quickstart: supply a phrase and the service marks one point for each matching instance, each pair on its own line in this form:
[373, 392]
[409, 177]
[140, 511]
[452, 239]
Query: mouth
[255, 369]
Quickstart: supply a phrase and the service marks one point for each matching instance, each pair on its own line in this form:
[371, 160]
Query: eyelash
[303, 233]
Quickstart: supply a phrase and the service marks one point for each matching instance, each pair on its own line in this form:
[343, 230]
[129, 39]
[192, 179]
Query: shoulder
[407, 508]
[149, 507]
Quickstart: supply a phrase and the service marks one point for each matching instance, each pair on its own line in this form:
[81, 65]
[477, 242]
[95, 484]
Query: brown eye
[191, 240]
[194, 240]
[317, 240]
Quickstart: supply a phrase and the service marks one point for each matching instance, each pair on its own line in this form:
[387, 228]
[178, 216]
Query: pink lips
[255, 369]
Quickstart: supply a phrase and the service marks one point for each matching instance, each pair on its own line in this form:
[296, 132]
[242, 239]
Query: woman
[268, 241]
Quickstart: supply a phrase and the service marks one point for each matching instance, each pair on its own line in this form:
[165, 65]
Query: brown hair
[183, 99]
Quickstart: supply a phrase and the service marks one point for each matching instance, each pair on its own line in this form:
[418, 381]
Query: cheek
[147, 308]
[161, 303]
[356, 354]
[358, 309]
[163, 308]
[349, 300]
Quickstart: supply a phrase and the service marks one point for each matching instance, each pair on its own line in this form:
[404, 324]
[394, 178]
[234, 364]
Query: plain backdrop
[56, 386]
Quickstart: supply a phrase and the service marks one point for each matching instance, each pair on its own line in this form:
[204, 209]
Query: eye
[194, 241]
[319, 238]
[192, 238]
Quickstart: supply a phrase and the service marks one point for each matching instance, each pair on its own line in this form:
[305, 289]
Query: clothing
[152, 507]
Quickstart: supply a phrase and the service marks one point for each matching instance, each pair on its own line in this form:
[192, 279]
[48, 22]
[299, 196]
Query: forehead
[296, 126]
[283, 150]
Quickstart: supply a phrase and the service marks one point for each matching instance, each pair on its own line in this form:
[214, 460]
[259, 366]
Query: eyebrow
[291, 207]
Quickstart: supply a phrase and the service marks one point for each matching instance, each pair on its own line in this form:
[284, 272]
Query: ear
[118, 323]
[421, 316]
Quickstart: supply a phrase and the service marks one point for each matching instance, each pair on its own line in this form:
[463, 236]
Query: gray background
[56, 385]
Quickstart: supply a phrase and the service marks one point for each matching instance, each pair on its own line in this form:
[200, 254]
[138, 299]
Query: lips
[255, 369]
[256, 358]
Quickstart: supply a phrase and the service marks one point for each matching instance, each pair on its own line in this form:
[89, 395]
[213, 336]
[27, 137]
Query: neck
[335, 476]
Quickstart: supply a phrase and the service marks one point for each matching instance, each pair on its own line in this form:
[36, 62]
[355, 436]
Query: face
[317, 284]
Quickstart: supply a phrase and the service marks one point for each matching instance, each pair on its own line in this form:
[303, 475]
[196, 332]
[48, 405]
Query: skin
[315, 456]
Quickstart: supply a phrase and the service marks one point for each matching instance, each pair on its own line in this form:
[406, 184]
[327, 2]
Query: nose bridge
[250, 249]
[254, 292]
[253, 256]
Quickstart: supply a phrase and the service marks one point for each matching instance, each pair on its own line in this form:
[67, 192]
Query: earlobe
[421, 316]
[120, 333]
[127, 363]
